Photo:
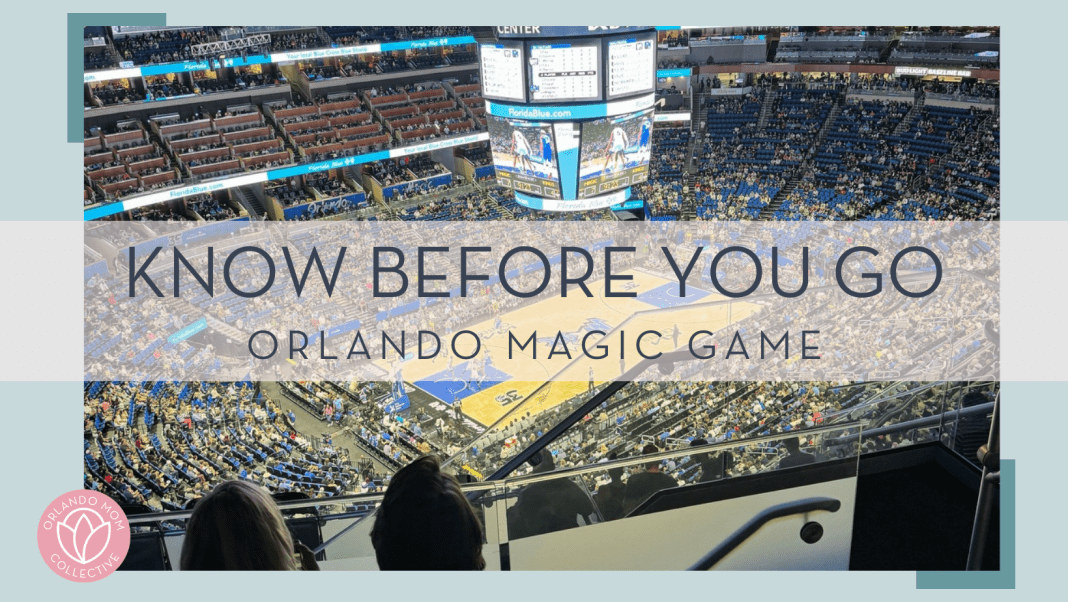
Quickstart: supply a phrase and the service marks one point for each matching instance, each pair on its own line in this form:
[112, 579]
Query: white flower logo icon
[83, 535]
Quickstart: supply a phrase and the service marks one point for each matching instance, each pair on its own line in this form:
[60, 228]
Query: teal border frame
[75, 48]
[1005, 578]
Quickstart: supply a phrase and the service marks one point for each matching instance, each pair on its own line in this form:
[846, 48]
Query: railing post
[989, 456]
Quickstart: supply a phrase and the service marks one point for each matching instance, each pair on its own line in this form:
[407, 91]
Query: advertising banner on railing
[325, 207]
[278, 57]
[188, 331]
[416, 186]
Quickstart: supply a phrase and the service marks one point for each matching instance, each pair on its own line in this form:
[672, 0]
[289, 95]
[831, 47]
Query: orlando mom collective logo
[83, 535]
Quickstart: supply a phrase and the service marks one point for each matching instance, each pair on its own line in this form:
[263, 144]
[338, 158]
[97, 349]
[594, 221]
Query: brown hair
[651, 449]
[426, 524]
[237, 527]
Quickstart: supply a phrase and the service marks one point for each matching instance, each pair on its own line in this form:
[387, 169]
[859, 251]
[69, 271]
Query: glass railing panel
[968, 408]
[671, 416]
[909, 413]
[566, 518]
[347, 541]
[550, 505]
[672, 468]
[538, 408]
[339, 531]
[346, 537]
[893, 409]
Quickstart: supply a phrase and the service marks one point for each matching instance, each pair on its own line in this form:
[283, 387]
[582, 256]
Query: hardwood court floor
[510, 381]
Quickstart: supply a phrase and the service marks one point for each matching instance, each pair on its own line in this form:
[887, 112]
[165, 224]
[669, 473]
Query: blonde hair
[237, 527]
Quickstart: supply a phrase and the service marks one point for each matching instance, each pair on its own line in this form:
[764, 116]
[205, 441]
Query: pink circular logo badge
[83, 535]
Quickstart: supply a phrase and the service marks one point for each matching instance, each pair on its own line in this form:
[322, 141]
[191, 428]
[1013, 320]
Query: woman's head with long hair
[237, 527]
[426, 524]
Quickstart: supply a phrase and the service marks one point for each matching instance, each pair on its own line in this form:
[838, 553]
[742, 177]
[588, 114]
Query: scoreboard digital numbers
[570, 112]
[502, 71]
[565, 71]
[631, 66]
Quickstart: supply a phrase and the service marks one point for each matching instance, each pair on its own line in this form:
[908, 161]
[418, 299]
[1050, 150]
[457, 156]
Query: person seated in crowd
[713, 466]
[610, 495]
[238, 527]
[643, 485]
[794, 455]
[426, 524]
[548, 506]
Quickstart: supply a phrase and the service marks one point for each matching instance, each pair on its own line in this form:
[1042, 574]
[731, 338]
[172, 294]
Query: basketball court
[506, 383]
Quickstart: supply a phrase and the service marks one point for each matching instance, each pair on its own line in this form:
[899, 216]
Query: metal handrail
[688, 451]
[290, 505]
[767, 515]
[989, 456]
[930, 421]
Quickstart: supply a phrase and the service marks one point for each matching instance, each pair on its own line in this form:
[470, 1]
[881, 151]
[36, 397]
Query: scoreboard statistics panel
[502, 71]
[569, 112]
[631, 62]
[524, 155]
[565, 71]
[615, 153]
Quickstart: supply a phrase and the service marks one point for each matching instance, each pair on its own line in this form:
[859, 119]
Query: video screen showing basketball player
[615, 152]
[523, 151]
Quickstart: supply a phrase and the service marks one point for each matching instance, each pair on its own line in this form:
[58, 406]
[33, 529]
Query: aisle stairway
[827, 124]
[248, 201]
[768, 212]
[884, 55]
[906, 121]
[773, 47]
[767, 108]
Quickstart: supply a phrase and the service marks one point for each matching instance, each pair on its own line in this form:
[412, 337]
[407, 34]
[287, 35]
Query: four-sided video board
[570, 112]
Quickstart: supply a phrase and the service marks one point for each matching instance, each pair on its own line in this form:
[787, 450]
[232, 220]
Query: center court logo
[83, 535]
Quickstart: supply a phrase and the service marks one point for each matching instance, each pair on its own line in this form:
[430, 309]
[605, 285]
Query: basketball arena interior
[885, 465]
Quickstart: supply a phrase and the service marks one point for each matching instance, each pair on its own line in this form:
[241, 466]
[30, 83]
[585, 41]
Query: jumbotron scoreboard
[570, 111]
